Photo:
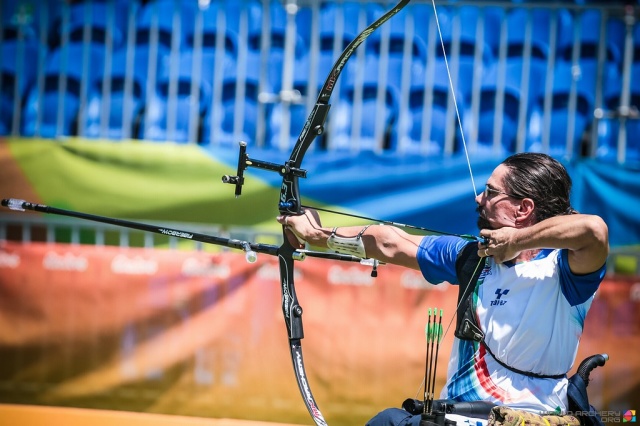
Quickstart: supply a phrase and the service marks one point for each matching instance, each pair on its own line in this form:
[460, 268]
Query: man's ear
[525, 212]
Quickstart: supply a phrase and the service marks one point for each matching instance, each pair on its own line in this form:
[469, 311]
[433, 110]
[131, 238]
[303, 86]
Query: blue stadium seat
[365, 109]
[609, 127]
[155, 22]
[561, 116]
[211, 30]
[103, 20]
[488, 114]
[16, 73]
[170, 115]
[31, 17]
[54, 112]
[636, 44]
[616, 32]
[607, 142]
[220, 123]
[233, 10]
[230, 12]
[125, 102]
[276, 30]
[304, 22]
[425, 129]
[210, 41]
[158, 17]
[466, 22]
[297, 111]
[541, 27]
[399, 65]
[589, 22]
[540, 21]
[338, 25]
[425, 23]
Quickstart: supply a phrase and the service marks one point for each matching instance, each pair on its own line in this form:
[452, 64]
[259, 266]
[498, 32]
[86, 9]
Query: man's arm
[385, 243]
[586, 237]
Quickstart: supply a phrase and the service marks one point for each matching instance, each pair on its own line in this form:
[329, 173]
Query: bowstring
[466, 153]
[464, 142]
[453, 95]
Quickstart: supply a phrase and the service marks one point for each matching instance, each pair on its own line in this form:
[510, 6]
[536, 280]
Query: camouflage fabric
[505, 416]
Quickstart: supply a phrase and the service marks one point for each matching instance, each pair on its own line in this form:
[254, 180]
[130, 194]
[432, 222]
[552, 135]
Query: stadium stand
[15, 78]
[266, 40]
[337, 27]
[53, 111]
[463, 39]
[499, 111]
[177, 90]
[404, 52]
[372, 107]
[235, 117]
[563, 126]
[425, 130]
[137, 47]
[116, 100]
[289, 116]
[617, 118]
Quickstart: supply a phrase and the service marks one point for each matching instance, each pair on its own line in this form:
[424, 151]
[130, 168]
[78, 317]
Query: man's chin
[484, 224]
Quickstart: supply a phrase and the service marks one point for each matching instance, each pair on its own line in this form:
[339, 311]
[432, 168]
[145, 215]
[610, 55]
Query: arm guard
[348, 245]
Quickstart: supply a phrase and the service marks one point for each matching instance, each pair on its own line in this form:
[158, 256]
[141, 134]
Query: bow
[289, 203]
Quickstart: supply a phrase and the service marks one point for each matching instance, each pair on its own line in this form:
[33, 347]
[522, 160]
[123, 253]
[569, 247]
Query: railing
[558, 78]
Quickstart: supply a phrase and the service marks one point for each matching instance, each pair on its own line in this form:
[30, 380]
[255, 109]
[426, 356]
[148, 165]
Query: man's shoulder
[449, 243]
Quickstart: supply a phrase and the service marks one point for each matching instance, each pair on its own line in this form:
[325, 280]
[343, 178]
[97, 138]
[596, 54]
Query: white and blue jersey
[532, 314]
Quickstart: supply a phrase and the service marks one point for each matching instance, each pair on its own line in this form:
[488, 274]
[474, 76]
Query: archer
[540, 259]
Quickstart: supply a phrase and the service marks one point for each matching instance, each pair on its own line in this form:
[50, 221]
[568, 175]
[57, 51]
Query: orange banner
[199, 334]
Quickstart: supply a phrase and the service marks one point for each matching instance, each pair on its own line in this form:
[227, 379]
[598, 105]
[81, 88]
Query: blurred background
[134, 109]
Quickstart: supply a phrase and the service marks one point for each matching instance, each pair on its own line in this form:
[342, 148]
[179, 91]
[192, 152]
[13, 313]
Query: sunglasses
[489, 190]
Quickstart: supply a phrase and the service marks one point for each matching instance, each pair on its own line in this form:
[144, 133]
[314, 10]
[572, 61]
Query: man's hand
[299, 228]
[499, 244]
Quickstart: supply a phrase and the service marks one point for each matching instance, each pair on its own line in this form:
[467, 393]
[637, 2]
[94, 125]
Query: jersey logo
[499, 294]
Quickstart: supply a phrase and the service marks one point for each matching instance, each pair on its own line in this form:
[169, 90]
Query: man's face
[496, 208]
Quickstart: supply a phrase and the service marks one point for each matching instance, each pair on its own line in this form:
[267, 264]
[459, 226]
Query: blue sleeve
[437, 258]
[577, 289]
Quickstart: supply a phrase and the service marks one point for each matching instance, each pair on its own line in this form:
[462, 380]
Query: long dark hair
[541, 178]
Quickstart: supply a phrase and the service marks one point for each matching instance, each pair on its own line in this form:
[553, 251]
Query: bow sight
[287, 171]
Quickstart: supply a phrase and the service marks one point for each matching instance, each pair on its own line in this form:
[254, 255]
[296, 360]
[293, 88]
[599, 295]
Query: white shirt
[532, 314]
